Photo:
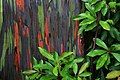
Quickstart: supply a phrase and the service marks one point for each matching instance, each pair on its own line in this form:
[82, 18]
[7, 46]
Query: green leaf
[65, 54]
[94, 1]
[78, 60]
[99, 6]
[48, 77]
[46, 54]
[79, 78]
[75, 68]
[117, 56]
[83, 67]
[101, 61]
[113, 74]
[115, 47]
[55, 70]
[56, 56]
[28, 72]
[94, 53]
[112, 4]
[86, 22]
[104, 10]
[90, 26]
[85, 74]
[81, 29]
[104, 25]
[100, 43]
[34, 61]
[90, 8]
[110, 21]
[115, 33]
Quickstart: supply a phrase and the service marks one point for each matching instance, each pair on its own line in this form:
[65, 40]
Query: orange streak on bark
[76, 30]
[40, 41]
[62, 48]
[25, 32]
[28, 59]
[20, 4]
[17, 47]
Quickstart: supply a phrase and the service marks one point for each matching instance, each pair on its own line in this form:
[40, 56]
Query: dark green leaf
[104, 25]
[115, 47]
[90, 26]
[83, 67]
[94, 53]
[100, 43]
[113, 74]
[46, 54]
[65, 54]
[75, 68]
[117, 56]
[85, 74]
[101, 61]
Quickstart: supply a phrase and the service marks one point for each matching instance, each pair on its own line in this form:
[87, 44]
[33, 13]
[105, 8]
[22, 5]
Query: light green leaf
[101, 61]
[94, 53]
[90, 26]
[117, 56]
[78, 60]
[86, 22]
[104, 10]
[65, 54]
[113, 74]
[83, 67]
[100, 43]
[56, 56]
[75, 68]
[46, 54]
[99, 6]
[55, 70]
[79, 78]
[90, 8]
[104, 25]
[94, 1]
[112, 4]
[28, 72]
[85, 74]
[110, 21]
[81, 29]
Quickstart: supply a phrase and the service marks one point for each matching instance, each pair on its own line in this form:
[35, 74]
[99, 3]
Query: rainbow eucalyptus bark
[29, 24]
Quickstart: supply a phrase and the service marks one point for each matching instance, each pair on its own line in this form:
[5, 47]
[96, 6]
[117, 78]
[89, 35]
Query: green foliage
[100, 18]
[63, 67]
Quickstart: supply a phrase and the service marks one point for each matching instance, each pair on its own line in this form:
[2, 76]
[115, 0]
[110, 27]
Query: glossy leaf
[113, 74]
[117, 56]
[99, 6]
[94, 53]
[46, 54]
[65, 54]
[90, 8]
[75, 68]
[86, 22]
[55, 70]
[78, 60]
[83, 67]
[104, 25]
[28, 72]
[100, 43]
[85, 74]
[101, 61]
[104, 10]
[90, 26]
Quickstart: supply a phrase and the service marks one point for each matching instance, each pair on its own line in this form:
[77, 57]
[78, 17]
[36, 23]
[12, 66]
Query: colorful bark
[33, 24]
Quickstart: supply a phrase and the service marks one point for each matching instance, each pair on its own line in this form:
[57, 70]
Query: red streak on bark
[20, 4]
[17, 48]
[80, 45]
[25, 32]
[29, 59]
[40, 41]
[76, 30]
[62, 48]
